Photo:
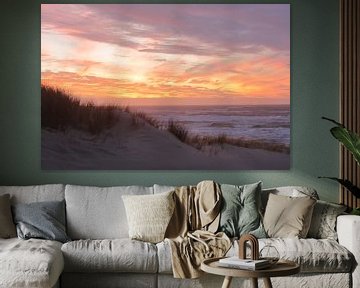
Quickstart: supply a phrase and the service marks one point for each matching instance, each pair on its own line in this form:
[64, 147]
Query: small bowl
[270, 253]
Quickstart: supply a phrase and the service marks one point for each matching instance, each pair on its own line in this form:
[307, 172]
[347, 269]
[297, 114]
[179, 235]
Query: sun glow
[137, 78]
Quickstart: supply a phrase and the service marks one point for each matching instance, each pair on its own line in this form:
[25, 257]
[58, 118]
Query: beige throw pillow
[288, 217]
[148, 215]
[7, 226]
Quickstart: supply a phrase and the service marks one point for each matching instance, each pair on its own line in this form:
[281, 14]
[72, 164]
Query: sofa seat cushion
[30, 263]
[313, 255]
[115, 255]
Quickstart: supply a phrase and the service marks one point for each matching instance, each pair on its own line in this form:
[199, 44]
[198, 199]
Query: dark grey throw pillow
[43, 220]
[240, 213]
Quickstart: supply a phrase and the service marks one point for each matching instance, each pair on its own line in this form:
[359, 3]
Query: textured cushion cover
[287, 216]
[323, 222]
[98, 213]
[301, 280]
[32, 263]
[314, 280]
[149, 215]
[313, 255]
[44, 220]
[164, 257]
[163, 188]
[36, 193]
[7, 227]
[240, 210]
[348, 228]
[117, 255]
[109, 280]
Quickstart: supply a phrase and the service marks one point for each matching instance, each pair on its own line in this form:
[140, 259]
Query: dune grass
[139, 116]
[201, 142]
[60, 111]
[178, 131]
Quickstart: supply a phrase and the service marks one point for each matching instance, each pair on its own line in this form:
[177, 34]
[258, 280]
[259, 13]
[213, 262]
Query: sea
[270, 123]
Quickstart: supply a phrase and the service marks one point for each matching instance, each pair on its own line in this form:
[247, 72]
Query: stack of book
[248, 264]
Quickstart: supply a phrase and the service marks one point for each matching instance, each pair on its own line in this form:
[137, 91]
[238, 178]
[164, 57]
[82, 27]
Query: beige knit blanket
[191, 231]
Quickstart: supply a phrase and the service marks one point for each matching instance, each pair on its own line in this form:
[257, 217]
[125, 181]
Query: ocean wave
[271, 122]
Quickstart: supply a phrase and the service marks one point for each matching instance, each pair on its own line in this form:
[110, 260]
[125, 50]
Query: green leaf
[355, 211]
[333, 121]
[349, 139]
[347, 184]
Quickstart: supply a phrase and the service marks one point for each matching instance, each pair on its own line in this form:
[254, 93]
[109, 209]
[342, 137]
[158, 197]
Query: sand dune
[139, 146]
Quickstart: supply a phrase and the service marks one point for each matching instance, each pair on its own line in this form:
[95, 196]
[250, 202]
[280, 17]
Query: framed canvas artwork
[165, 86]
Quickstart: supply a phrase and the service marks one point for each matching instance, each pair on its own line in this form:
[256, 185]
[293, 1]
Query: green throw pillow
[240, 212]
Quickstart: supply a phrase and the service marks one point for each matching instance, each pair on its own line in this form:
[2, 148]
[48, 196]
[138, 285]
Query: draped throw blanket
[191, 231]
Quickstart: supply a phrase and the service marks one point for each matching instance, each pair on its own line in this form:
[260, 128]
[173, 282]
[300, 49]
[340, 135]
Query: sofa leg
[267, 283]
[227, 282]
[254, 282]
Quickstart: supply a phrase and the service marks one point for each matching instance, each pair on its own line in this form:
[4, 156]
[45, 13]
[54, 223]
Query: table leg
[254, 282]
[227, 282]
[267, 283]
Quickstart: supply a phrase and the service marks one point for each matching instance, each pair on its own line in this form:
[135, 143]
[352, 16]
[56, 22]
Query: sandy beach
[140, 146]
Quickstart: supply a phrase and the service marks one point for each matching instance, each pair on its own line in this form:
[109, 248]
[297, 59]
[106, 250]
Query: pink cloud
[234, 28]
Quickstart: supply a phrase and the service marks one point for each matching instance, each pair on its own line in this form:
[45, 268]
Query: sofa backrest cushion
[37, 193]
[98, 213]
[163, 188]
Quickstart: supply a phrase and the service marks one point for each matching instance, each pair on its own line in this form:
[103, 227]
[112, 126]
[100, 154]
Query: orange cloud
[89, 88]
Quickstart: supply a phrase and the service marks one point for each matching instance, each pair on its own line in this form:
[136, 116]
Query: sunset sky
[157, 54]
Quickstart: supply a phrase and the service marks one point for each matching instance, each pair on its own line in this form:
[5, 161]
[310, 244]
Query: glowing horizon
[168, 54]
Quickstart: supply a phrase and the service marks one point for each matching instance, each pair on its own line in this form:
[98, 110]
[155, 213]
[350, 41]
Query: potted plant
[351, 141]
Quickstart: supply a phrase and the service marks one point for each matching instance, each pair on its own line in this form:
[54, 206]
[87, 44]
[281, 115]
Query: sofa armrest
[348, 230]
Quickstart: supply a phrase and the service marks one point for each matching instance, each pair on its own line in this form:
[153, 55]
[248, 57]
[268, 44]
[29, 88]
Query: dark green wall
[314, 93]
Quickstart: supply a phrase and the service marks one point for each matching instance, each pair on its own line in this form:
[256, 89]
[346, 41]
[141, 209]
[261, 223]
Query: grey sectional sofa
[101, 255]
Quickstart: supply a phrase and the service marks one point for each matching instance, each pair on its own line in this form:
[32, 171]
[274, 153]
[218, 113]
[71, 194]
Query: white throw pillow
[149, 215]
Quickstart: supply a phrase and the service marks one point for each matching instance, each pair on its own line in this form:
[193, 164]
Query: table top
[281, 268]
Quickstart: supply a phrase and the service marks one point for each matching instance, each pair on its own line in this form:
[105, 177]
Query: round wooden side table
[281, 268]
